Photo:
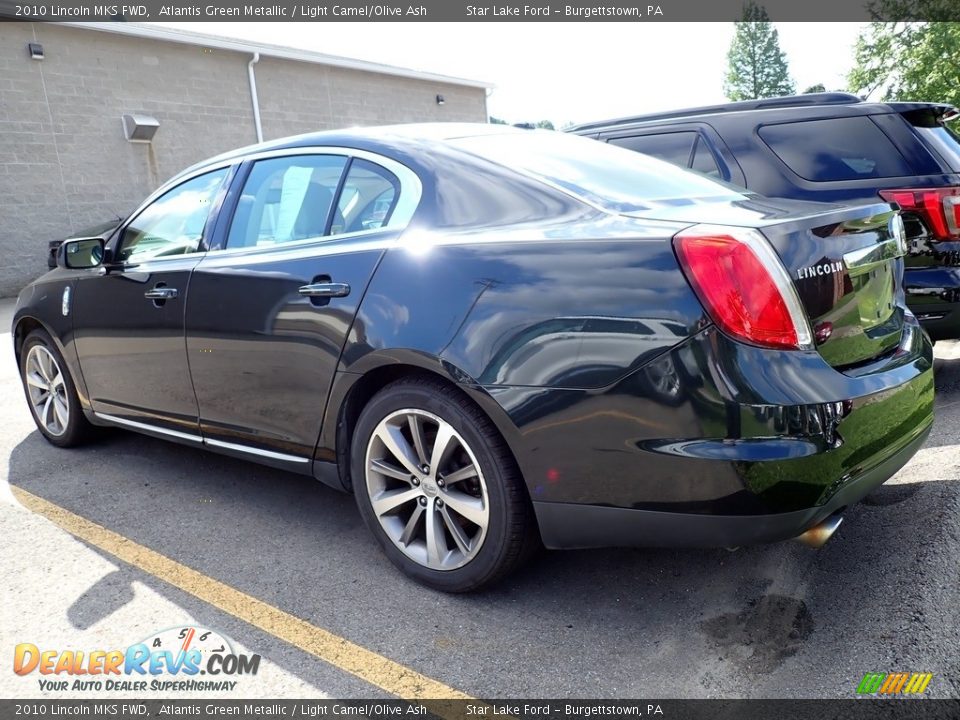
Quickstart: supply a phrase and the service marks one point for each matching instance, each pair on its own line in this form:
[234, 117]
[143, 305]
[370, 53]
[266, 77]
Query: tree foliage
[756, 66]
[908, 61]
[904, 10]
[818, 88]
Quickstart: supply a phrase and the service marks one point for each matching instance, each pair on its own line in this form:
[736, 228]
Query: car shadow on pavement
[641, 622]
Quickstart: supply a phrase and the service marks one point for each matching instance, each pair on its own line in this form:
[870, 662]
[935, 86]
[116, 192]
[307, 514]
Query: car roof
[810, 100]
[381, 139]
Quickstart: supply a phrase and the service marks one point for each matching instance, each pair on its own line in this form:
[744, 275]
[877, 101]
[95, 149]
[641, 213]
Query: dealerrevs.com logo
[170, 660]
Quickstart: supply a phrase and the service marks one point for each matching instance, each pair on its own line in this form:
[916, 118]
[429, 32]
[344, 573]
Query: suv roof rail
[827, 98]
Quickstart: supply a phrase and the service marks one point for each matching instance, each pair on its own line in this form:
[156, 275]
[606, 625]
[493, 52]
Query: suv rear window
[944, 141]
[850, 148]
[614, 178]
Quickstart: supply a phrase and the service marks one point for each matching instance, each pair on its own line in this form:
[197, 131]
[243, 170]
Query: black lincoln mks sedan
[496, 338]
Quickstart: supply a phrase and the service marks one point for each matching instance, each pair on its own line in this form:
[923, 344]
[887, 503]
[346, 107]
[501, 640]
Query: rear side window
[686, 149]
[850, 148]
[704, 161]
[286, 199]
[673, 147]
[367, 199]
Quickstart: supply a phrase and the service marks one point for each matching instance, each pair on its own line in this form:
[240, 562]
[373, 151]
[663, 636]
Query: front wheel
[438, 487]
[51, 393]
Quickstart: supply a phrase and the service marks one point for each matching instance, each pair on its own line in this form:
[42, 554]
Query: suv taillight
[938, 208]
[743, 285]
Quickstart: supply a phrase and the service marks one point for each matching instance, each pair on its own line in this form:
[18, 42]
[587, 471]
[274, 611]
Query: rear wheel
[51, 393]
[438, 487]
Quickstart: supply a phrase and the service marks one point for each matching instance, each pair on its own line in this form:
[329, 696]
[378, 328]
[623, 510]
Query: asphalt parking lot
[772, 621]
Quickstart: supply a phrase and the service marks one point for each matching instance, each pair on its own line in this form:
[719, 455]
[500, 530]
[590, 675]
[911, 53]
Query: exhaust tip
[817, 536]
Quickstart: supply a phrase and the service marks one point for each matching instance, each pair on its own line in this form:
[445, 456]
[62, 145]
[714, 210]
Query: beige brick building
[66, 164]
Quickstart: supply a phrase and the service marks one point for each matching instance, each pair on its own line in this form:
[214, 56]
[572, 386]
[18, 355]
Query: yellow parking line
[367, 665]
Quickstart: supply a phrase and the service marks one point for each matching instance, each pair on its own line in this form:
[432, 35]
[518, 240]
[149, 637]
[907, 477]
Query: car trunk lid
[845, 265]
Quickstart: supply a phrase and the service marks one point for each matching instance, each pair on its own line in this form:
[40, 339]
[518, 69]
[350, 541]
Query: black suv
[831, 147]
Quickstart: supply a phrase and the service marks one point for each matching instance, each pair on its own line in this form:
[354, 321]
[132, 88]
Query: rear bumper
[568, 526]
[745, 445]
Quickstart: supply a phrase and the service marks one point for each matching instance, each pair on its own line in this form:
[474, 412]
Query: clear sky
[567, 72]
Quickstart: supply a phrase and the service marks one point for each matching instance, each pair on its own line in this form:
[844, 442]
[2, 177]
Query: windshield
[614, 178]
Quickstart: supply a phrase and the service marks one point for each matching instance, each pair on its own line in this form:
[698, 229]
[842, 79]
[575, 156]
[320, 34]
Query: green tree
[546, 125]
[908, 61]
[497, 121]
[756, 66]
[819, 87]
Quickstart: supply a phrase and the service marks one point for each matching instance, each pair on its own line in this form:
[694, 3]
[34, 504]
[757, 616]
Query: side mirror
[80, 254]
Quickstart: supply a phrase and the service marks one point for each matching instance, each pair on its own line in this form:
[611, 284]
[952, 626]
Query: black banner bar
[473, 10]
[586, 709]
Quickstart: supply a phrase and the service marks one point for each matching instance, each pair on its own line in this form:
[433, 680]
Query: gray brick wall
[64, 162]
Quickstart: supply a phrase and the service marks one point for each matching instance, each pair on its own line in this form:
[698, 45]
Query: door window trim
[672, 131]
[727, 163]
[209, 223]
[222, 240]
[411, 192]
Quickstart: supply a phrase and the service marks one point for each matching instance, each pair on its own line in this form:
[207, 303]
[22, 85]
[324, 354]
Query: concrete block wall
[65, 164]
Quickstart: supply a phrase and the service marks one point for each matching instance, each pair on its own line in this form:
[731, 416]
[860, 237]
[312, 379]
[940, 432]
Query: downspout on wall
[253, 96]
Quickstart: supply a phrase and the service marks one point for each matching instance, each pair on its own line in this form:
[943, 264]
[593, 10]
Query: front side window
[172, 224]
[286, 199]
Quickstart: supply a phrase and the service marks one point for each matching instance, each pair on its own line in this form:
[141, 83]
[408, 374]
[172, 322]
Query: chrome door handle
[325, 290]
[161, 293]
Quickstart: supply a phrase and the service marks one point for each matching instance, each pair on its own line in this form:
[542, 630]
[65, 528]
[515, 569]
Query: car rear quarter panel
[523, 309]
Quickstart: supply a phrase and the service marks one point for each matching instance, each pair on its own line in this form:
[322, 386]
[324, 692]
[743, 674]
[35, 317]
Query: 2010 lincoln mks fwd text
[495, 338]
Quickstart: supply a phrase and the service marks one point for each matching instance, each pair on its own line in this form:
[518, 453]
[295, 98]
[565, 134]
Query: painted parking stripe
[367, 665]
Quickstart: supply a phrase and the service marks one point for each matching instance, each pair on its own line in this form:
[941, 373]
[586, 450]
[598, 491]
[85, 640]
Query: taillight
[743, 285]
[939, 208]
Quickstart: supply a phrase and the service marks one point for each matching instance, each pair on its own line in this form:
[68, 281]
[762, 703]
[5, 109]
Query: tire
[482, 523]
[50, 392]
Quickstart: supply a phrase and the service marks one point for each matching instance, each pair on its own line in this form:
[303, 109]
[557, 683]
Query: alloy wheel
[426, 489]
[664, 377]
[47, 390]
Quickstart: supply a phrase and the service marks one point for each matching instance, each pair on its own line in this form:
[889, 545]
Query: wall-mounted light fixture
[440, 100]
[35, 50]
[140, 128]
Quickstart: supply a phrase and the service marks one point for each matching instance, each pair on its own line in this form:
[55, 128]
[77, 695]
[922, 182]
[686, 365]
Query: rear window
[614, 178]
[850, 148]
[944, 141]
